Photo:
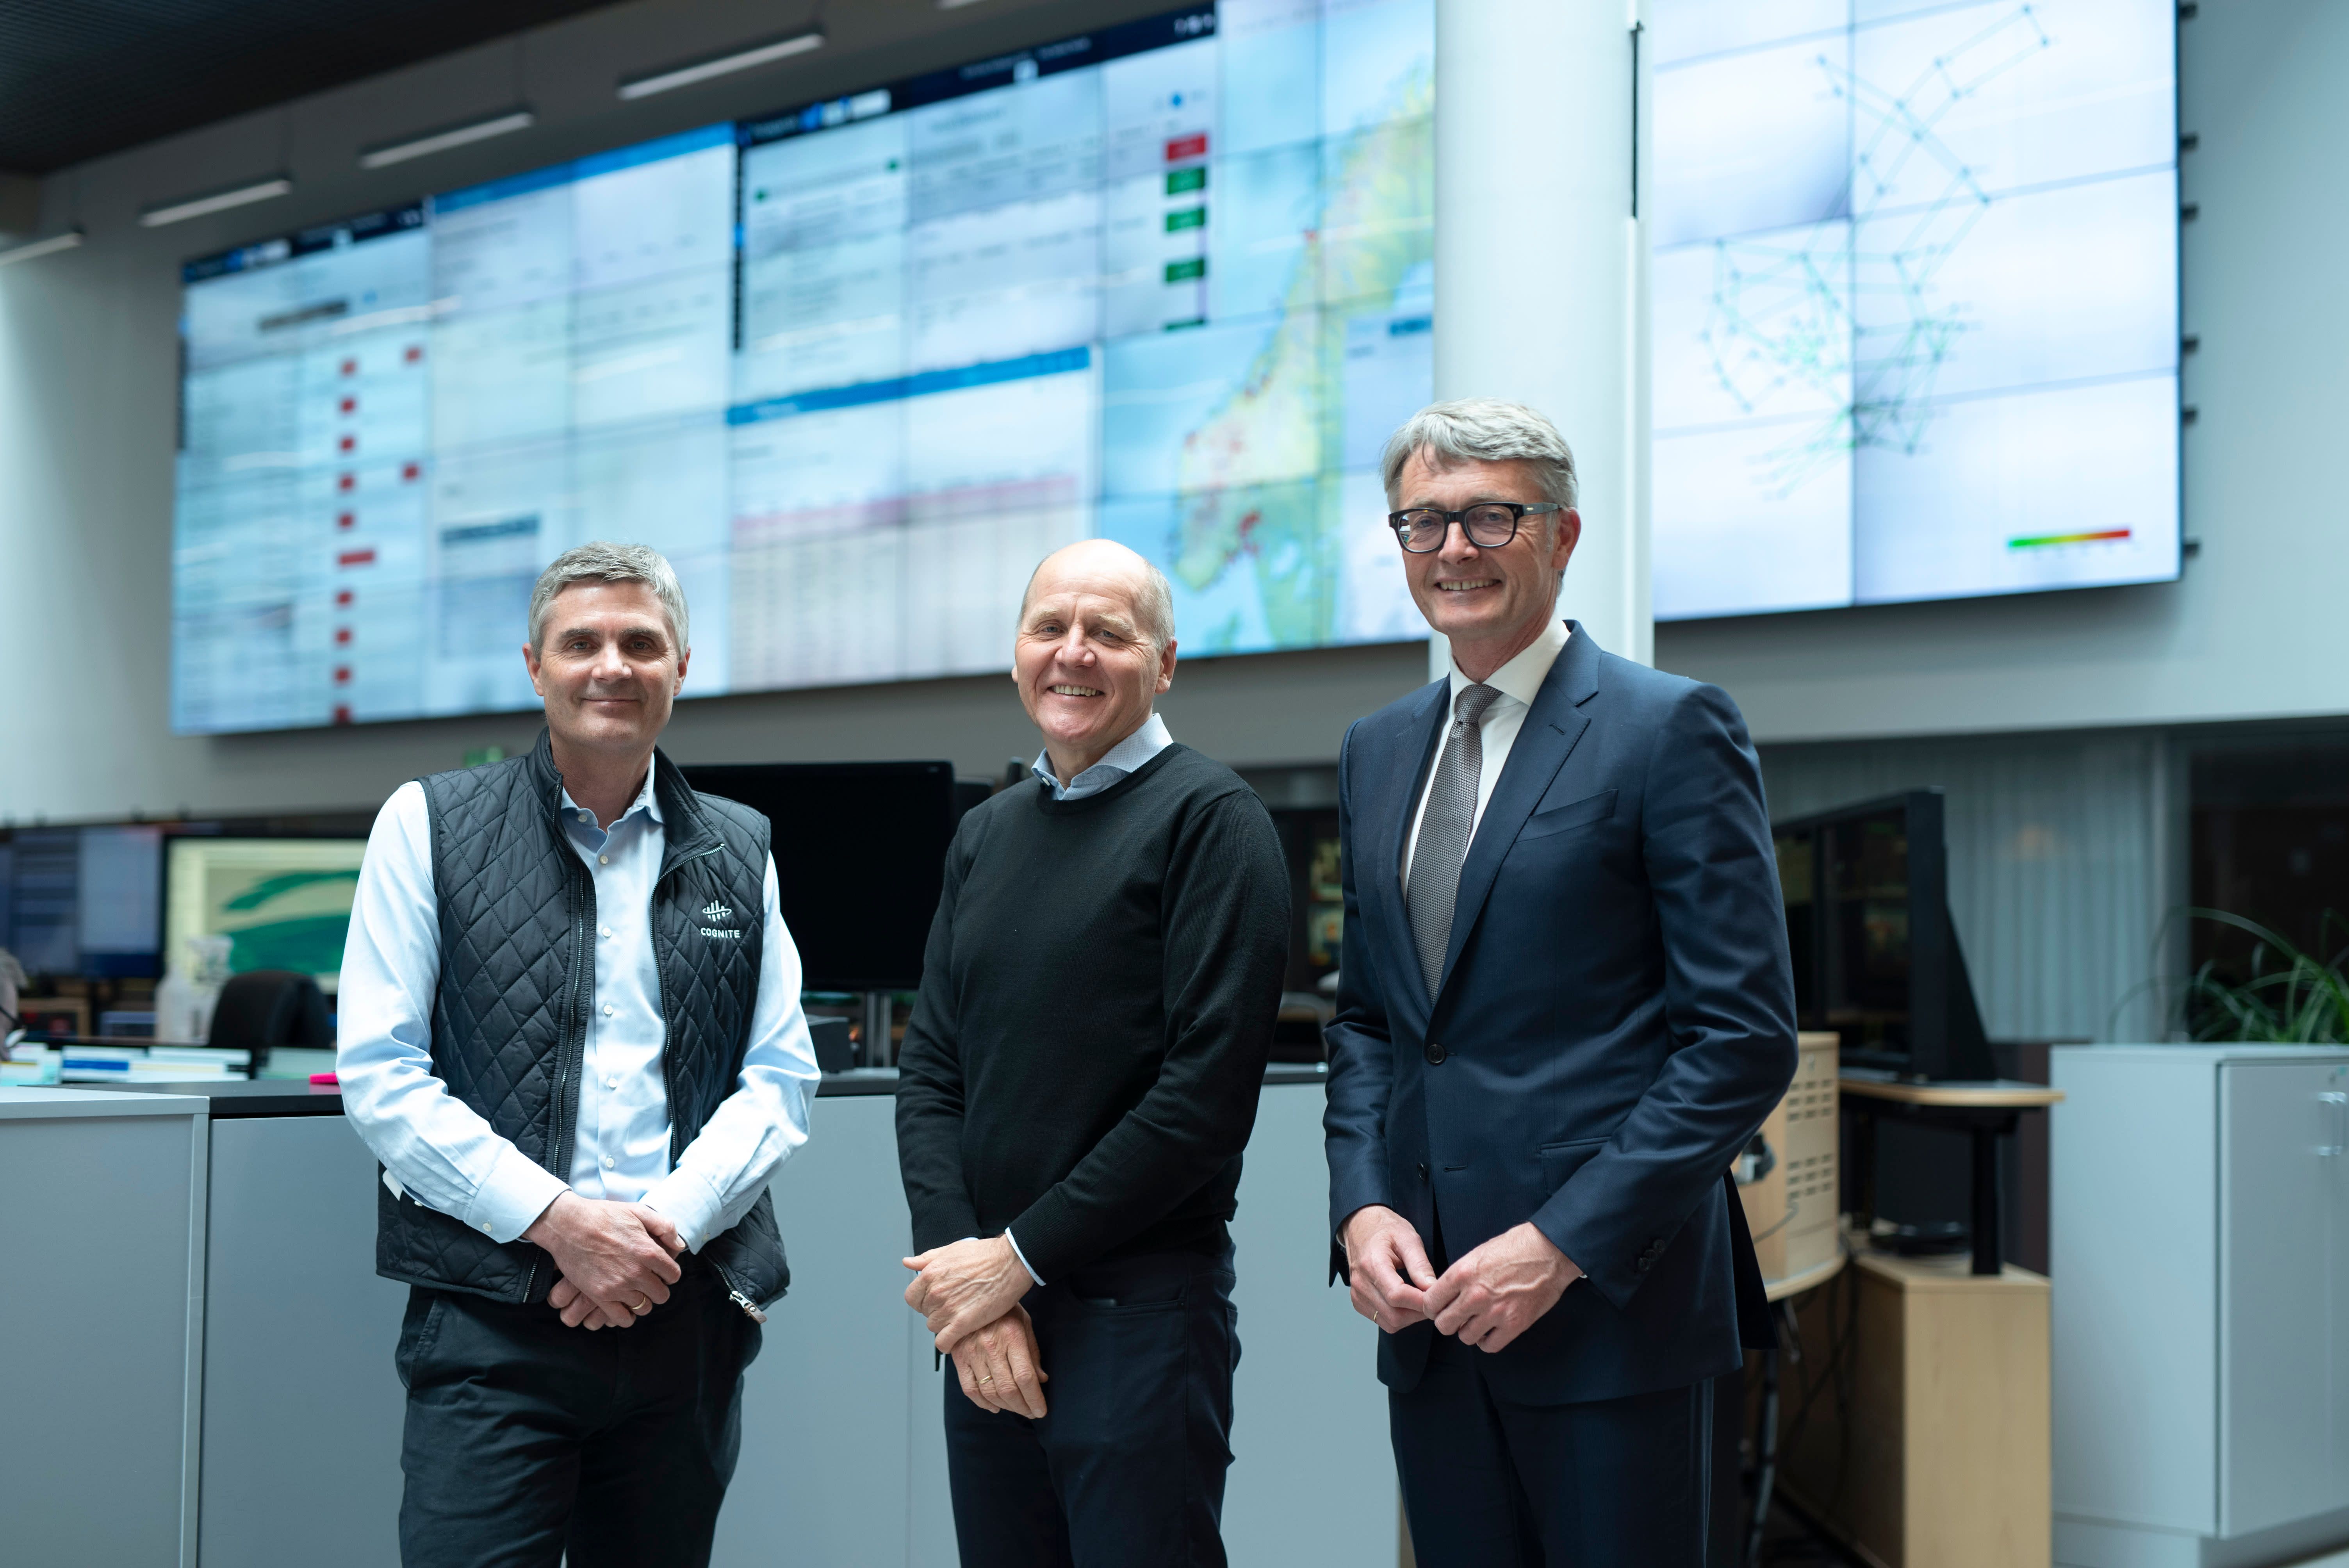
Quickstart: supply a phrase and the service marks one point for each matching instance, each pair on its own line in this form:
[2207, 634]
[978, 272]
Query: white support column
[1541, 266]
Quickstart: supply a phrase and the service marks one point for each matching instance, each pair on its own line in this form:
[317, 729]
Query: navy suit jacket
[1616, 1018]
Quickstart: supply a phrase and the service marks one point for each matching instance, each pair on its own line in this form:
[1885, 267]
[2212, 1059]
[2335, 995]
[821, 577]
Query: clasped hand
[616, 1260]
[1485, 1299]
[969, 1295]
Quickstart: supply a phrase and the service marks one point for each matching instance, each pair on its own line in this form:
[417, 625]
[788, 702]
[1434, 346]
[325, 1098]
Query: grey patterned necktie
[1434, 885]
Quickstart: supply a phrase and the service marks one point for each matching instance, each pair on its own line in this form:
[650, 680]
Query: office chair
[264, 1007]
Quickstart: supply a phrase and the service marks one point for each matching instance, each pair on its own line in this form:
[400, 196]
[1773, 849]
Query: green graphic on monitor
[284, 904]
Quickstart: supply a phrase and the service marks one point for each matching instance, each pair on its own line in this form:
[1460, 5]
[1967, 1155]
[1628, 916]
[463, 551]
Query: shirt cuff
[1023, 1260]
[512, 1196]
[690, 1203]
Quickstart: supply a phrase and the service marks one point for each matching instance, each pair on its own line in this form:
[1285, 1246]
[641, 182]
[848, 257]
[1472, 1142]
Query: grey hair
[1483, 430]
[12, 974]
[604, 561]
[1154, 605]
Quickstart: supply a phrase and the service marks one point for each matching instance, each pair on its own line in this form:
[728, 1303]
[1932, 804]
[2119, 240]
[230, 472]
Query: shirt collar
[648, 800]
[1127, 754]
[1523, 675]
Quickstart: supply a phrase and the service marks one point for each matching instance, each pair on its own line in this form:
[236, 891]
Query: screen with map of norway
[854, 369]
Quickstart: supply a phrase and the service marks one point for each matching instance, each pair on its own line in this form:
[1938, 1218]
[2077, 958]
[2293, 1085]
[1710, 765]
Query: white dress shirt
[1519, 682]
[1116, 762]
[445, 1155]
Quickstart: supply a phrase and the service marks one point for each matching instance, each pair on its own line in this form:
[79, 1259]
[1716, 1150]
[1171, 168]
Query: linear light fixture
[218, 202]
[442, 140]
[954, 4]
[724, 64]
[36, 247]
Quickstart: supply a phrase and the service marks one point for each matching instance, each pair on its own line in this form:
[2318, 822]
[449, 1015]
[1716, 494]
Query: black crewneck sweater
[1096, 1009]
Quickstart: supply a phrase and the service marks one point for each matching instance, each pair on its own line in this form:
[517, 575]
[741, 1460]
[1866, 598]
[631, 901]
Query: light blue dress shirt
[1116, 762]
[445, 1155]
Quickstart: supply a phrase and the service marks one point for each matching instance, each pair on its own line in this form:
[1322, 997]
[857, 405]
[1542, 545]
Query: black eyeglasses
[1489, 524]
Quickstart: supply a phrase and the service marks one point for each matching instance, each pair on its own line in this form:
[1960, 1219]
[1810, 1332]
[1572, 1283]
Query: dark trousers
[1125, 1470]
[1613, 1483]
[526, 1441]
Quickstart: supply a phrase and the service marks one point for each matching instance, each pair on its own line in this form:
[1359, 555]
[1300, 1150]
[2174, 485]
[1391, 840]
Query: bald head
[1105, 564]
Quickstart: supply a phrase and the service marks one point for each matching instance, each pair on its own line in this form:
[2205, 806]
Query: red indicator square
[346, 520]
[347, 483]
[350, 367]
[345, 597]
[342, 675]
[342, 713]
[356, 558]
[415, 353]
[342, 636]
[1182, 147]
[350, 405]
[409, 471]
[351, 443]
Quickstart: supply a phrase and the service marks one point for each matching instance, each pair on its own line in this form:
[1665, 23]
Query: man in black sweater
[1076, 1085]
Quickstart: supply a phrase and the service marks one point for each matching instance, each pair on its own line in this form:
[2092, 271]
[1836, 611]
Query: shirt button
[608, 1162]
[603, 860]
[485, 1227]
[611, 1083]
[608, 1010]
[607, 931]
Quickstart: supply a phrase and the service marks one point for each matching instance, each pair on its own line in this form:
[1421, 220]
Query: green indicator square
[1179, 181]
[1188, 218]
[1183, 271]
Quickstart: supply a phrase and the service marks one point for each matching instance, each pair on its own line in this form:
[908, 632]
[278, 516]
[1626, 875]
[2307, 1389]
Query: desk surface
[1988, 1094]
[1810, 1278]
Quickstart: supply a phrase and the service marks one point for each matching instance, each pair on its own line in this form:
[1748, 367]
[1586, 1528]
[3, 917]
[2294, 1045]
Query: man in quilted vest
[571, 1033]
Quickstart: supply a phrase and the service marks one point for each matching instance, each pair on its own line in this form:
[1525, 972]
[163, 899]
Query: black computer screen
[860, 855]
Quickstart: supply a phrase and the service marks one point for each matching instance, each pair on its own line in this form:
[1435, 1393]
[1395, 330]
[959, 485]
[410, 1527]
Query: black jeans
[1125, 1470]
[1610, 1484]
[526, 1441]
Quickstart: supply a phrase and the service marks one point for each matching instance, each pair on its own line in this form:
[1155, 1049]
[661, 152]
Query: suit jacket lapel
[1551, 728]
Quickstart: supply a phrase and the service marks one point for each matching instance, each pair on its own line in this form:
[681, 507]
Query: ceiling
[79, 78]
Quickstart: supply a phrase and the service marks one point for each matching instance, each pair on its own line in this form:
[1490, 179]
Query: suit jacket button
[1435, 1053]
[1422, 1170]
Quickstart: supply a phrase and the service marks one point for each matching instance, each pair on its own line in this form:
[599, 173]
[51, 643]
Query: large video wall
[854, 369]
[1915, 283]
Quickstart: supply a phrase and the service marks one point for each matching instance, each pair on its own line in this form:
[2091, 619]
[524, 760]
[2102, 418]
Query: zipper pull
[750, 1308]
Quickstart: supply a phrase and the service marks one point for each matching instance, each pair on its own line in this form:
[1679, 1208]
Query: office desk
[1988, 1111]
[843, 1459]
[101, 1378]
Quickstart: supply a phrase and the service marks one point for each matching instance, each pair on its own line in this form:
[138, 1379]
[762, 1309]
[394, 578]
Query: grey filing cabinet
[2199, 1237]
[101, 1380]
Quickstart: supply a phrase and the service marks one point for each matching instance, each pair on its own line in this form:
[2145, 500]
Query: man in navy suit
[1563, 1006]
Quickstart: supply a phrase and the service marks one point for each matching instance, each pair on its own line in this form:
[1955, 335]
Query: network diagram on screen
[856, 368]
[1915, 287]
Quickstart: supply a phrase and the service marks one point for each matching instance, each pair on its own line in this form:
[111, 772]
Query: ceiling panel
[82, 79]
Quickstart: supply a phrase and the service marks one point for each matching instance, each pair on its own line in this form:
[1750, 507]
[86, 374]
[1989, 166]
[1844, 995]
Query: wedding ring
[644, 1304]
[983, 1382]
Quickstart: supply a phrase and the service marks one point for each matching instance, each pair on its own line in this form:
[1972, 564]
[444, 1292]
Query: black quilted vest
[517, 977]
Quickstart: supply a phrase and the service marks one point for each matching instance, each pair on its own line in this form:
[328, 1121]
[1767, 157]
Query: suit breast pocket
[1565, 819]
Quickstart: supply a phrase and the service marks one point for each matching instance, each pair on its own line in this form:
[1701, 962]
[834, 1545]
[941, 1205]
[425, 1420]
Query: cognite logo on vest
[716, 910]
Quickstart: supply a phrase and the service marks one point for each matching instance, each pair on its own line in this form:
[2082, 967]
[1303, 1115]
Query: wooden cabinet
[1915, 1425]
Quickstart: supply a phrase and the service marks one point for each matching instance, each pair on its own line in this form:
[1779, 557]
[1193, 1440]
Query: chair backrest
[265, 1007]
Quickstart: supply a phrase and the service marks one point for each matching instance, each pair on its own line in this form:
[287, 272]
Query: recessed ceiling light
[48, 247]
[221, 202]
[724, 64]
[442, 140]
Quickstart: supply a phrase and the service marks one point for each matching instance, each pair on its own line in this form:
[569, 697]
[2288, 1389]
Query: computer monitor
[860, 856]
[1876, 955]
[284, 904]
[82, 903]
